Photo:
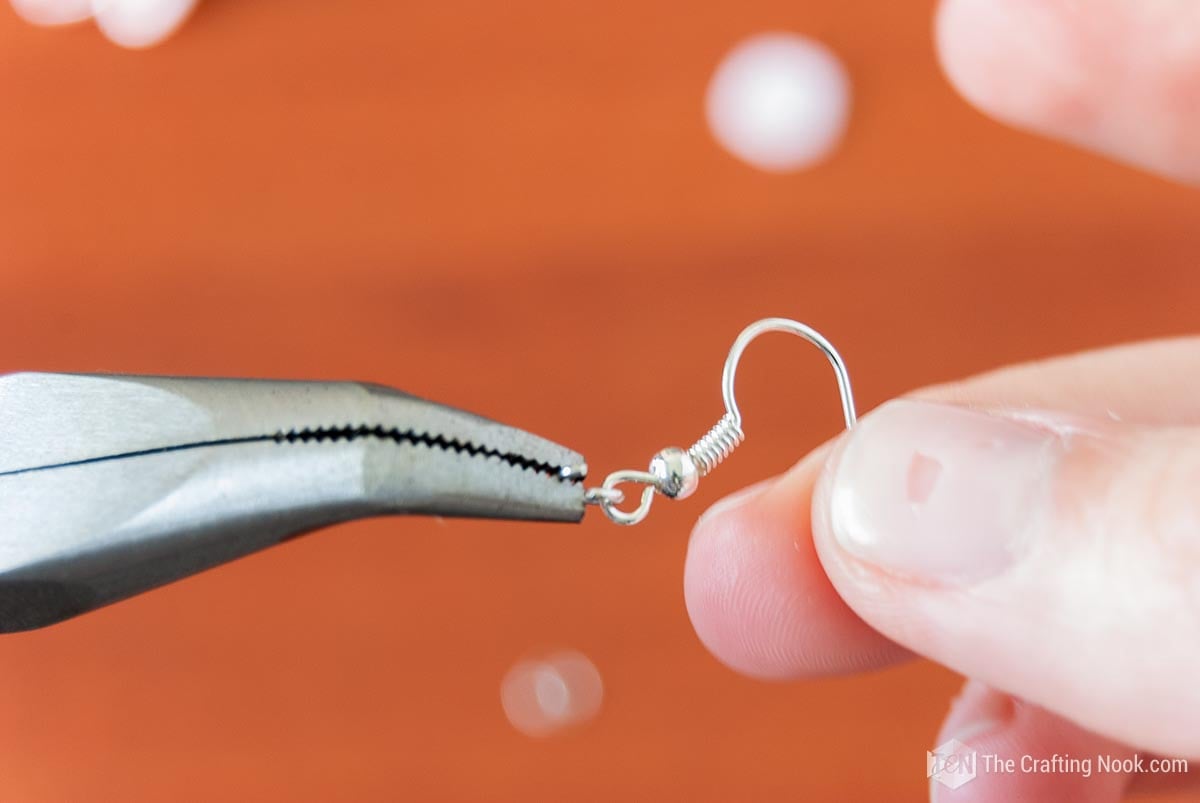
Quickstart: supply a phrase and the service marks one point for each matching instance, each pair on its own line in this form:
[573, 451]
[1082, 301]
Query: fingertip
[1022, 752]
[1118, 80]
[991, 541]
[978, 709]
[52, 12]
[757, 595]
[1015, 61]
[722, 569]
[138, 24]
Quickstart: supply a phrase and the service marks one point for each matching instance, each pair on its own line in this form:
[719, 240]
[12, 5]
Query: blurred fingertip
[138, 24]
[977, 709]
[1120, 83]
[52, 12]
[1016, 62]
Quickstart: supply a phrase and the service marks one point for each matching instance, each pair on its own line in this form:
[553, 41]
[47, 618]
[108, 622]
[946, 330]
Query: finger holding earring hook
[674, 472]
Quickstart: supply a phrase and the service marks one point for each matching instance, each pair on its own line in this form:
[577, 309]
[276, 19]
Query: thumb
[1051, 556]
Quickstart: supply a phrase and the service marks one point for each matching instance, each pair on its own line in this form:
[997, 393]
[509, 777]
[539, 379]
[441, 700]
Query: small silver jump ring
[603, 496]
[619, 516]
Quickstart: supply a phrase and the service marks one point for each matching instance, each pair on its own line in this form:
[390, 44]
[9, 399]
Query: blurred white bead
[140, 23]
[52, 12]
[779, 101]
[542, 696]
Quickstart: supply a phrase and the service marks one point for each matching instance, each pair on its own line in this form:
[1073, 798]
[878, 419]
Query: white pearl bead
[546, 695]
[779, 101]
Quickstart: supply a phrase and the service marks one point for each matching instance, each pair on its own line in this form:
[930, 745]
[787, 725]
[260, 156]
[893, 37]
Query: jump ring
[611, 482]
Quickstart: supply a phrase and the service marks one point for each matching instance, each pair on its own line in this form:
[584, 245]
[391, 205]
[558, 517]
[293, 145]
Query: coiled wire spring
[716, 444]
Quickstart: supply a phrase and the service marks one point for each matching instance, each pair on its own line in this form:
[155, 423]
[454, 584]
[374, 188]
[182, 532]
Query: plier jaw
[113, 485]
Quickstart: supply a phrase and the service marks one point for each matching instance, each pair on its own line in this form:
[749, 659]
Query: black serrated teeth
[350, 433]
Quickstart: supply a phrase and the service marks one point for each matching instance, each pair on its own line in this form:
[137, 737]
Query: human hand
[129, 23]
[1037, 528]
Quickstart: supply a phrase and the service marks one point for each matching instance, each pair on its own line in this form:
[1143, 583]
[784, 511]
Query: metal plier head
[112, 485]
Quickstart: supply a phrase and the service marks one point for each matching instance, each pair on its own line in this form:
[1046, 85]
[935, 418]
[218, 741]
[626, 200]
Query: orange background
[514, 207]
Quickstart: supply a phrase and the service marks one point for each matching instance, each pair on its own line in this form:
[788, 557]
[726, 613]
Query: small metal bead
[676, 472]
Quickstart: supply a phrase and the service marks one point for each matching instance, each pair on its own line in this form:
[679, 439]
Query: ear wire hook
[675, 473]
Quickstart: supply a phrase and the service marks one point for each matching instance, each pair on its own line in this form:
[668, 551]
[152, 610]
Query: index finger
[1116, 76]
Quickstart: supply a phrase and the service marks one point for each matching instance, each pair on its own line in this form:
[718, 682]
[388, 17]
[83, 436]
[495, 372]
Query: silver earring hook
[675, 473]
[800, 330]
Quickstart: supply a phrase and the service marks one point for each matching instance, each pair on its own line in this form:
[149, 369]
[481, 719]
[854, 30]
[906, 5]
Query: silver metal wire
[793, 328]
[717, 444]
[650, 485]
[675, 473]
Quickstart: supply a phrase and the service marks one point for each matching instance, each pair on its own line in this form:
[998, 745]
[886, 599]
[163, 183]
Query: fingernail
[940, 492]
[977, 710]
